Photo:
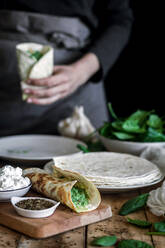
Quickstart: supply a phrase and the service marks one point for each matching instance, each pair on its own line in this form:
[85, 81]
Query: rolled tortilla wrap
[31, 66]
[34, 61]
[70, 188]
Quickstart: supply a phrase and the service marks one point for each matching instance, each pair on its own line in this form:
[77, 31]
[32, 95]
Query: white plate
[107, 188]
[37, 147]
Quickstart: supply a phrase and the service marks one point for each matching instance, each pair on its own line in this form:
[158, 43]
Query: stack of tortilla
[110, 169]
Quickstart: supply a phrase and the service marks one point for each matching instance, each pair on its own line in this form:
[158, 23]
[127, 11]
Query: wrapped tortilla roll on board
[70, 188]
[34, 61]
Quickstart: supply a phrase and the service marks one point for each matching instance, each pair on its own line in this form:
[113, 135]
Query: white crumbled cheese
[156, 201]
[11, 178]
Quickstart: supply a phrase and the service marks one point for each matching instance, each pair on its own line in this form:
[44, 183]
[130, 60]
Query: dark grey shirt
[110, 22]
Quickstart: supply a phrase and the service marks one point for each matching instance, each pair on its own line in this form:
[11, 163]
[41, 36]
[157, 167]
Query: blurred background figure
[87, 36]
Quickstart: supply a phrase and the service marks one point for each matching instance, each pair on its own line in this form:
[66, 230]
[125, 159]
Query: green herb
[95, 146]
[134, 204]
[104, 241]
[153, 135]
[155, 121]
[83, 148]
[106, 130]
[79, 197]
[92, 146]
[143, 126]
[140, 223]
[36, 55]
[136, 122]
[131, 243]
[156, 233]
[112, 111]
[123, 136]
[159, 226]
[117, 125]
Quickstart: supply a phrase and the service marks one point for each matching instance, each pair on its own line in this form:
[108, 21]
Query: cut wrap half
[70, 188]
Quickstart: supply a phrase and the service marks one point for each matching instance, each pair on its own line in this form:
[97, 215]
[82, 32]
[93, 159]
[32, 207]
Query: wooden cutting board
[62, 220]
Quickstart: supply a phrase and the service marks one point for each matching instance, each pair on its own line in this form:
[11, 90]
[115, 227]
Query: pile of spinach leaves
[142, 126]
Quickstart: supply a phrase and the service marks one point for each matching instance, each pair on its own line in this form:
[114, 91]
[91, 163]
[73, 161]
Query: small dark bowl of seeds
[34, 207]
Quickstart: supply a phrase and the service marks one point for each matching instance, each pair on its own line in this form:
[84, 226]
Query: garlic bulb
[156, 200]
[76, 126]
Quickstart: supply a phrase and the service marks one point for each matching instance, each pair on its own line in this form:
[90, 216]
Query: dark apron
[67, 36]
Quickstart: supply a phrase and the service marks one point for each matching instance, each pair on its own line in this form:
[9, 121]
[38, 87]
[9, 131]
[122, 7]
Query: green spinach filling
[35, 54]
[79, 197]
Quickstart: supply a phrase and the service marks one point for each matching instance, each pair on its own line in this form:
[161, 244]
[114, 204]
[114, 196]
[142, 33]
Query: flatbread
[59, 186]
[115, 169]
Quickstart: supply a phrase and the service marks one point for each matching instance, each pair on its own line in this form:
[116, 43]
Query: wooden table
[81, 238]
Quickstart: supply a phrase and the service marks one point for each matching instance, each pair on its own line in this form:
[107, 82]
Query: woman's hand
[64, 81]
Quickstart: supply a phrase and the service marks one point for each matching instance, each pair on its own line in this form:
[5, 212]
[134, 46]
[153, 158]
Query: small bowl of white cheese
[12, 183]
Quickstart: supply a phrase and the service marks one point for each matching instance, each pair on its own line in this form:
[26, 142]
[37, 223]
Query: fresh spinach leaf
[159, 226]
[135, 123]
[117, 125]
[104, 241]
[131, 127]
[155, 122]
[139, 223]
[112, 111]
[83, 148]
[37, 55]
[105, 130]
[95, 146]
[92, 146]
[156, 233]
[123, 136]
[131, 243]
[153, 135]
[134, 204]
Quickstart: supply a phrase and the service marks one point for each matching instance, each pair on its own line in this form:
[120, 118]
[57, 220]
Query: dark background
[136, 81]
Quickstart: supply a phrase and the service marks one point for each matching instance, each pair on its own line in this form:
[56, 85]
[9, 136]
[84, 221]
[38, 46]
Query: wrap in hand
[70, 188]
[34, 61]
